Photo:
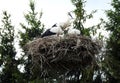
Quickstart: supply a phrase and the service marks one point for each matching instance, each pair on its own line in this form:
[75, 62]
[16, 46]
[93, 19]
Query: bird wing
[47, 33]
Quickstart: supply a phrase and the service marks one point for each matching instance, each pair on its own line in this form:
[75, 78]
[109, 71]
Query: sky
[54, 11]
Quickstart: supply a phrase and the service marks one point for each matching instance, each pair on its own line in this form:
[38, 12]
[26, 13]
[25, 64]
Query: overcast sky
[54, 11]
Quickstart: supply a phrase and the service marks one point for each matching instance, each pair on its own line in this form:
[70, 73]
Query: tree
[112, 58]
[79, 13]
[10, 73]
[81, 17]
[33, 29]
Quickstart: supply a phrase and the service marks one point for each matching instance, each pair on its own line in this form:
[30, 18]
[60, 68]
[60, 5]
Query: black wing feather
[47, 33]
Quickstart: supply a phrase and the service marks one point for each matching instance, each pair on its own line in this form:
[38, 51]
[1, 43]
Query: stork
[73, 31]
[54, 30]
[70, 30]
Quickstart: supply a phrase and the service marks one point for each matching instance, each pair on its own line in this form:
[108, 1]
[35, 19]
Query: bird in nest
[62, 29]
[55, 30]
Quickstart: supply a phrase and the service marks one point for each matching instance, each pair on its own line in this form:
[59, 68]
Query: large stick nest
[54, 56]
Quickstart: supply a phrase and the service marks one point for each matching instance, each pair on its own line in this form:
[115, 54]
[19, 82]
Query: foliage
[82, 16]
[33, 29]
[10, 73]
[112, 59]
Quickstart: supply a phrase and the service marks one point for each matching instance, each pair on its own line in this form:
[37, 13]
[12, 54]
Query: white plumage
[68, 26]
[57, 30]
[73, 31]
[62, 29]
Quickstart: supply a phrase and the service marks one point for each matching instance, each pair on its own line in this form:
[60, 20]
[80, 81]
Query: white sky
[54, 11]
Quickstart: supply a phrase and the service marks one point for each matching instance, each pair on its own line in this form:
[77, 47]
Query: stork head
[64, 26]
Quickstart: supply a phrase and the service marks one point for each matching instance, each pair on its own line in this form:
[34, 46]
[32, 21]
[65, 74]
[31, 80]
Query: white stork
[73, 31]
[54, 30]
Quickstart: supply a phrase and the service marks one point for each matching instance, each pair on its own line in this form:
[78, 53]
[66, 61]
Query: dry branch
[55, 56]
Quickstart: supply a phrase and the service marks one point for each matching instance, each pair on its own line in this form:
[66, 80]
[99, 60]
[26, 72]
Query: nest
[54, 56]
